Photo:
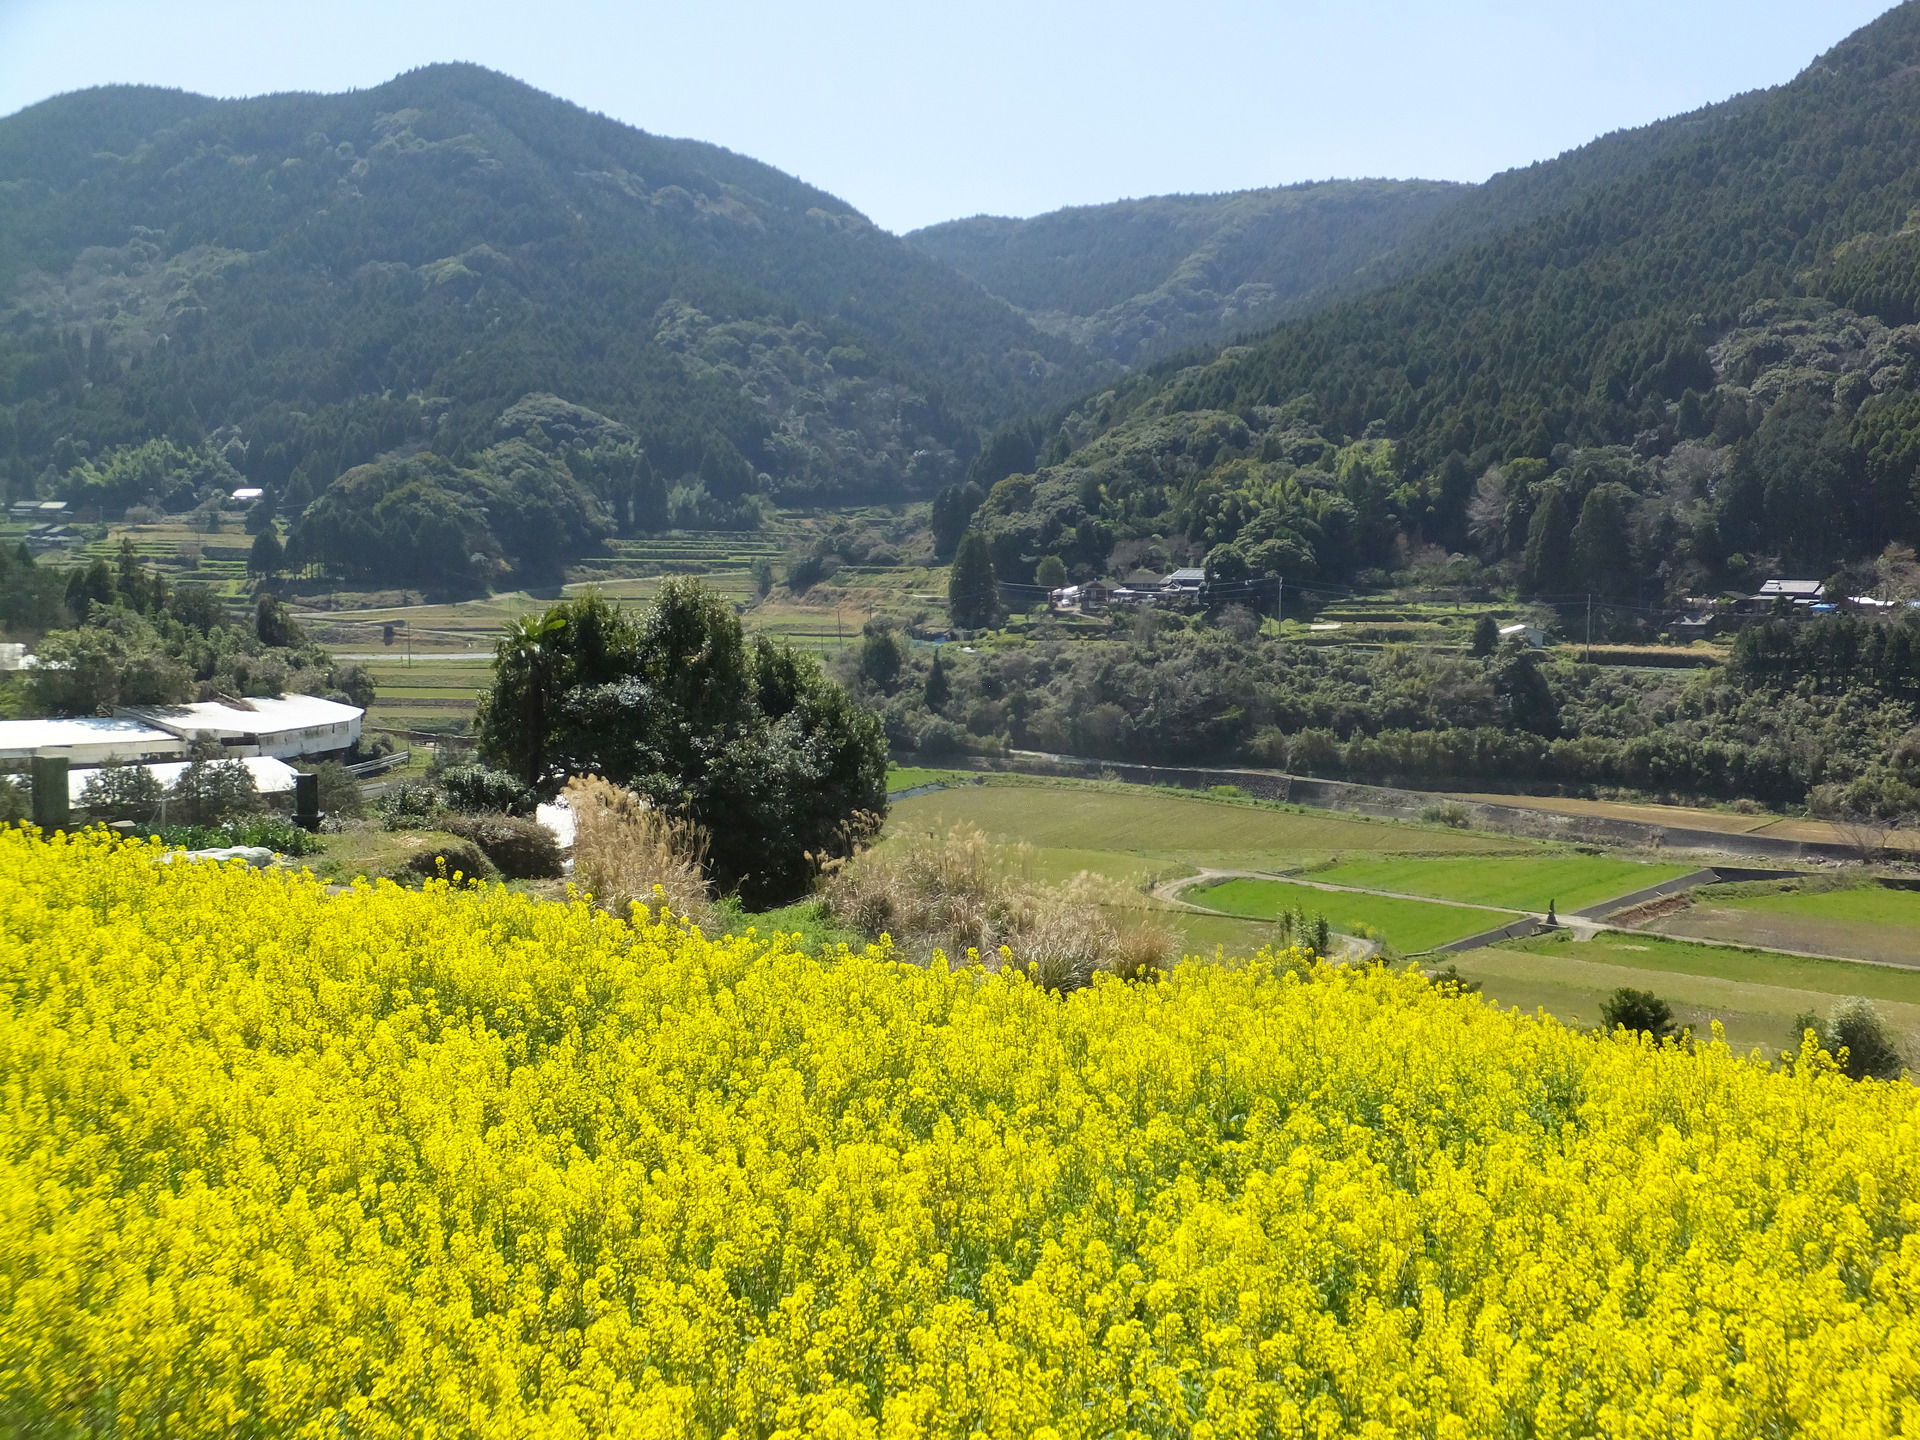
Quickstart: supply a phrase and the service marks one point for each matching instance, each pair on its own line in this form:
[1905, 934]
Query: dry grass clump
[952, 894]
[625, 852]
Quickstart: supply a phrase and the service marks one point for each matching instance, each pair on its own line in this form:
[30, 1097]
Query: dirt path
[1582, 930]
[1209, 874]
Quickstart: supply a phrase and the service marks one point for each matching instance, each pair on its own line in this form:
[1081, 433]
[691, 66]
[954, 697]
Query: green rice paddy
[1520, 882]
[1409, 926]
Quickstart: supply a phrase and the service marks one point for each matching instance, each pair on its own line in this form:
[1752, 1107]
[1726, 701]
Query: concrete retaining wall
[1519, 930]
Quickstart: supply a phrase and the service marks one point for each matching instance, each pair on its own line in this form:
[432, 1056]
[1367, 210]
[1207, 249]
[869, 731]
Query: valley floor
[1220, 869]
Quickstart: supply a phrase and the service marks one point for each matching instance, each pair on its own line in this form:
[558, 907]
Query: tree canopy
[747, 738]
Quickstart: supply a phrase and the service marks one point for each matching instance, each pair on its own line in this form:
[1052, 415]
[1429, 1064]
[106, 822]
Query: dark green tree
[85, 585]
[879, 656]
[1051, 572]
[762, 574]
[267, 557]
[122, 792]
[973, 598]
[1637, 1010]
[1857, 1038]
[938, 689]
[1486, 637]
[749, 740]
[1602, 549]
[953, 511]
[725, 471]
[1523, 692]
[274, 623]
[1549, 543]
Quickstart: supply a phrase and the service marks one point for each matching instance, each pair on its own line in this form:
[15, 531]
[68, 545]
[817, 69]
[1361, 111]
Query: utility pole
[1589, 627]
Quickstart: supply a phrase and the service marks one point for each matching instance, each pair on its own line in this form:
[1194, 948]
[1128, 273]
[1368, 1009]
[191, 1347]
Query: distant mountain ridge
[1136, 280]
[323, 278]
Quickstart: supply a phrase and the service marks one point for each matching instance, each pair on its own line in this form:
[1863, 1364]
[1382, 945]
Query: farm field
[1407, 925]
[1871, 923]
[1756, 996]
[427, 697]
[1139, 837]
[315, 1125]
[1174, 825]
[1522, 882]
[1870, 904]
[906, 777]
[1725, 822]
[1134, 836]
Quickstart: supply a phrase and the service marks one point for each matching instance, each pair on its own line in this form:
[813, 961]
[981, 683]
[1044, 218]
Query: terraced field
[1409, 926]
[1755, 996]
[1171, 825]
[1528, 882]
[1873, 923]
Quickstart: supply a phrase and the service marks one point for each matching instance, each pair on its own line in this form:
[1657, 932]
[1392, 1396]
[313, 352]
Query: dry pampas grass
[954, 893]
[626, 852]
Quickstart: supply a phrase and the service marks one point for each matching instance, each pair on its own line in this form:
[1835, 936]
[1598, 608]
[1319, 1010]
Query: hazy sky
[918, 112]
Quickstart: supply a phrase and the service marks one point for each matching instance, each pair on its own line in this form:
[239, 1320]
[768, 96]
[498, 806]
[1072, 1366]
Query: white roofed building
[89, 740]
[270, 776]
[283, 725]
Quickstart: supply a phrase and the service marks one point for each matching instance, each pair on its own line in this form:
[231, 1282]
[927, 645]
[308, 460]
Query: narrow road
[1582, 930]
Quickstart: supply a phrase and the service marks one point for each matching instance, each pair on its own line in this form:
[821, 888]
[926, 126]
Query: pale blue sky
[918, 112]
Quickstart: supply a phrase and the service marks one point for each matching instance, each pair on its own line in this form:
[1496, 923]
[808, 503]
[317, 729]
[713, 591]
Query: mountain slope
[1667, 374]
[312, 280]
[1138, 278]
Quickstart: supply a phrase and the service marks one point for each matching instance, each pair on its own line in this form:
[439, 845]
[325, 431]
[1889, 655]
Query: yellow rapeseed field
[438, 1164]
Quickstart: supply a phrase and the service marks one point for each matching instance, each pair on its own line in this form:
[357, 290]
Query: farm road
[1583, 929]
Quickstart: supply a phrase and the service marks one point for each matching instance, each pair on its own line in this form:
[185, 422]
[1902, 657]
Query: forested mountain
[294, 285]
[1139, 278]
[1666, 383]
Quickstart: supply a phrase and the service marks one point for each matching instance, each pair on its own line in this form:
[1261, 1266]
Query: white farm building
[282, 726]
[270, 777]
[92, 740]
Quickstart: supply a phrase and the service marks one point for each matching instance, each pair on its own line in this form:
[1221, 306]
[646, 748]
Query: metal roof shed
[282, 725]
[270, 777]
[88, 740]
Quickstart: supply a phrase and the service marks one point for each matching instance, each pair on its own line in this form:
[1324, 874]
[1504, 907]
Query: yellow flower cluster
[280, 1162]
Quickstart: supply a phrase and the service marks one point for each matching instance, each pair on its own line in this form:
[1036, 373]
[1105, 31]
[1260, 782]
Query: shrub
[520, 848]
[122, 792]
[807, 571]
[275, 832]
[477, 789]
[952, 895]
[410, 805]
[1446, 812]
[1857, 1038]
[1639, 1011]
[1451, 982]
[627, 853]
[452, 859]
[1297, 927]
[340, 797]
